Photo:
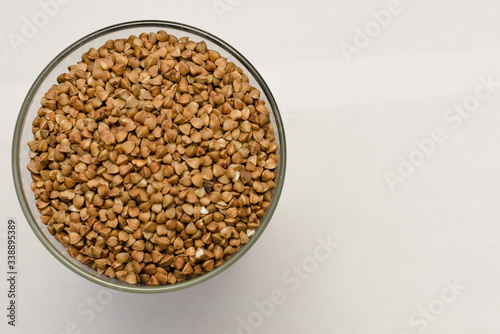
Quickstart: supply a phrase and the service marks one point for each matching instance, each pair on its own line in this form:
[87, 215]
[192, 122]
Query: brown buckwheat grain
[153, 159]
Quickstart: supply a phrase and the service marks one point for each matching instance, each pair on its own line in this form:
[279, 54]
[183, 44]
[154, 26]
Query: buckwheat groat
[153, 159]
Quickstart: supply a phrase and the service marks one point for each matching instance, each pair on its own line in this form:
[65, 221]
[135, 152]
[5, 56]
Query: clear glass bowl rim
[21, 120]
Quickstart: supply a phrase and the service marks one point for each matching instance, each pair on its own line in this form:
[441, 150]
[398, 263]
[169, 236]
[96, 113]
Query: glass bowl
[70, 56]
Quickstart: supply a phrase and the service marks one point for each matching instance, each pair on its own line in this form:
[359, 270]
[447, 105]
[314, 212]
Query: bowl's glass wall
[71, 56]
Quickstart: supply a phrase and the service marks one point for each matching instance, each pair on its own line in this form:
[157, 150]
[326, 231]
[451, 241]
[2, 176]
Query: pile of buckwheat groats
[153, 159]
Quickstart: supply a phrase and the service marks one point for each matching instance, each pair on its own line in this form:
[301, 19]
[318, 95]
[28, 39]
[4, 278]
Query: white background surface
[347, 124]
